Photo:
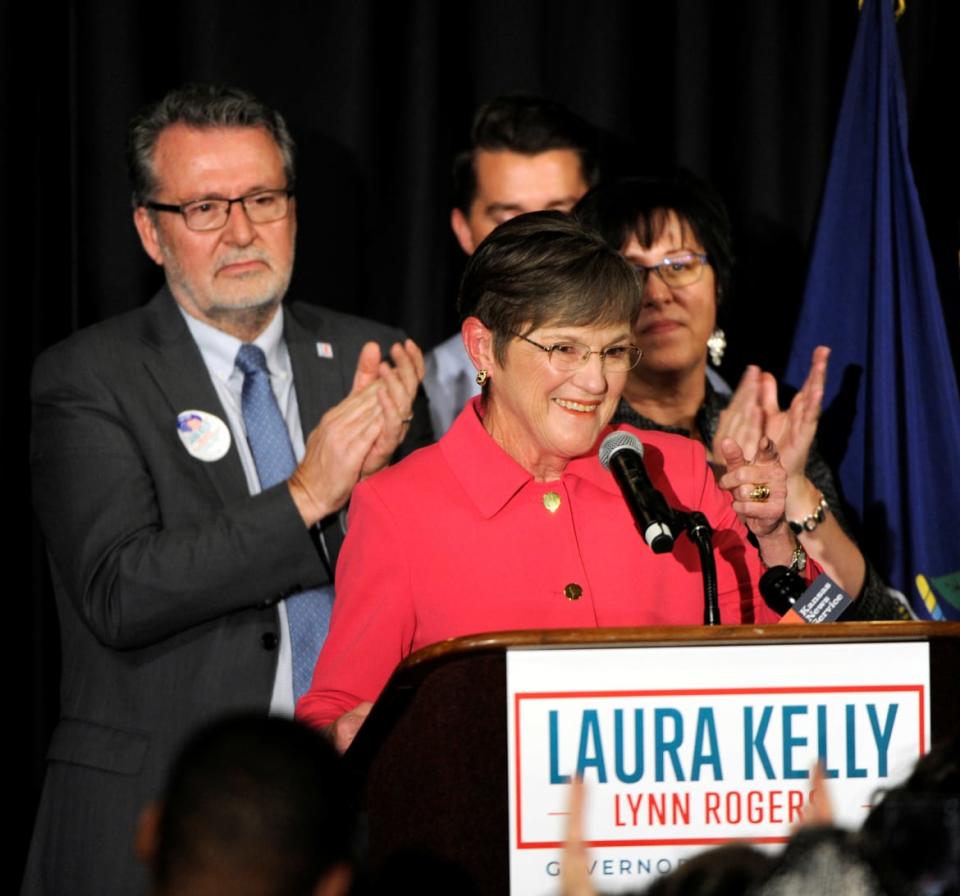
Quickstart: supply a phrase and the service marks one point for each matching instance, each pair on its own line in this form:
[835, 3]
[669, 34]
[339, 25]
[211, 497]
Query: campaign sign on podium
[682, 748]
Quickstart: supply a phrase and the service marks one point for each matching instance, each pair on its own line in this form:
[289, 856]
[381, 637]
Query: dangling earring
[716, 346]
[482, 376]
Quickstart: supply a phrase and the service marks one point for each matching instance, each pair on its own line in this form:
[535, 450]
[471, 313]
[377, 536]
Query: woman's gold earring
[482, 376]
[716, 345]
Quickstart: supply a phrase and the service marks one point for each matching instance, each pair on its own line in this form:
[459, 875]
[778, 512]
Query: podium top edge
[682, 636]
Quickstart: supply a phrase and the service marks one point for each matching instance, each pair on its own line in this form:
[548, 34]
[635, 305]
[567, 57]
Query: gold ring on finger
[760, 492]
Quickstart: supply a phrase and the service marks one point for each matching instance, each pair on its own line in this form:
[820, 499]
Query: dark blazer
[166, 571]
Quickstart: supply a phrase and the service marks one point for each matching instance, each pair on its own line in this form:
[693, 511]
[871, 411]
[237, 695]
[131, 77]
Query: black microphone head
[650, 511]
[618, 441]
[780, 587]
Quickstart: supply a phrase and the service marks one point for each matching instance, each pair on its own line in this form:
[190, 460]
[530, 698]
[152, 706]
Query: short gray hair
[546, 268]
[199, 106]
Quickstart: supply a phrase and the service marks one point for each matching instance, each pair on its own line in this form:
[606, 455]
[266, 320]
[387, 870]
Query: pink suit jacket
[457, 540]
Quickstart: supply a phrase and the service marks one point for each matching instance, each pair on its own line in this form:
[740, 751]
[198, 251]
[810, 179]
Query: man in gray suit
[178, 551]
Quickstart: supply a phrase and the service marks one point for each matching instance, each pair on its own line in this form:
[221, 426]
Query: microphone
[788, 594]
[622, 454]
[780, 588]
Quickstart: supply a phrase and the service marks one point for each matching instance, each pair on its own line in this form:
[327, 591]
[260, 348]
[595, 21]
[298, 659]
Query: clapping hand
[754, 412]
[759, 491]
[400, 381]
[758, 486]
[358, 436]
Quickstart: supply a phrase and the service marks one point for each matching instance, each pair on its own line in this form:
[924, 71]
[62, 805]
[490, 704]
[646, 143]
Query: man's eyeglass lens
[212, 214]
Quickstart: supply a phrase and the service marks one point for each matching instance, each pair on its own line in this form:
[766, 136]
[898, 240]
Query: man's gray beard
[255, 309]
[252, 318]
[245, 320]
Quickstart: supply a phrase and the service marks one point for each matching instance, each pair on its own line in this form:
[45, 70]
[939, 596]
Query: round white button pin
[203, 434]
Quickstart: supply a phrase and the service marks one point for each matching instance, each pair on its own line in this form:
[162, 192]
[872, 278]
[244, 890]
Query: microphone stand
[699, 532]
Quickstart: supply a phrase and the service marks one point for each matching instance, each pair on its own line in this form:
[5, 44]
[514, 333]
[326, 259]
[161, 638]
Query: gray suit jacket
[166, 571]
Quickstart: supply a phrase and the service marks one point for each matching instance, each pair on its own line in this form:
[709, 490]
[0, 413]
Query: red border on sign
[919, 689]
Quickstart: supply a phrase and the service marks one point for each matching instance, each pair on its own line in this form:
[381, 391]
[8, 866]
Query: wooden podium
[430, 763]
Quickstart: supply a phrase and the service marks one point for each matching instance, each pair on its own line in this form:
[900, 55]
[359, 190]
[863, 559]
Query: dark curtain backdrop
[379, 96]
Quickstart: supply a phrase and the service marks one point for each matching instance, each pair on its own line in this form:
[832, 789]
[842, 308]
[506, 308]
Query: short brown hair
[545, 267]
[528, 125]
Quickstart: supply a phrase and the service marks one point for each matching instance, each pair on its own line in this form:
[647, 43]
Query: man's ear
[461, 229]
[478, 340]
[147, 230]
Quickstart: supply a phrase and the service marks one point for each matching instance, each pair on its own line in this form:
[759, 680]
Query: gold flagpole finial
[899, 11]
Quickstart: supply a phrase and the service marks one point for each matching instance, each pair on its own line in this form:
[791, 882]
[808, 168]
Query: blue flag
[871, 295]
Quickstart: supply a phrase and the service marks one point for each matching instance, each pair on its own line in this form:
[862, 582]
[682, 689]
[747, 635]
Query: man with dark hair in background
[190, 460]
[253, 806]
[526, 154]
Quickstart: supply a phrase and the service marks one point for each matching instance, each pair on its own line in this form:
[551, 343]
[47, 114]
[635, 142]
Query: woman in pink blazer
[510, 521]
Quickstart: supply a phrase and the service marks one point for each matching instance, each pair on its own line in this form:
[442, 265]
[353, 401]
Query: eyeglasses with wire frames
[261, 207]
[680, 268]
[575, 355]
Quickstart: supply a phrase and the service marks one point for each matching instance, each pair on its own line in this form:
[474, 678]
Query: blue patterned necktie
[308, 613]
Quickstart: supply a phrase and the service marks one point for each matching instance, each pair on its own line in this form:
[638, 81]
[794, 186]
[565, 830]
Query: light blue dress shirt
[219, 351]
